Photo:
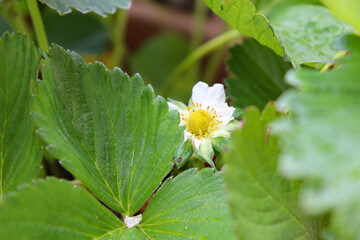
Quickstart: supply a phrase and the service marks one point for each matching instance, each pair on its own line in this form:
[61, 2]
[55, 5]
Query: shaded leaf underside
[99, 7]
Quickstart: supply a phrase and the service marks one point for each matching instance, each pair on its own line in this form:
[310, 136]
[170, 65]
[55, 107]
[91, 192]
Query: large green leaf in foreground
[258, 74]
[106, 128]
[191, 206]
[308, 32]
[102, 7]
[264, 204]
[19, 152]
[320, 142]
[241, 14]
[56, 210]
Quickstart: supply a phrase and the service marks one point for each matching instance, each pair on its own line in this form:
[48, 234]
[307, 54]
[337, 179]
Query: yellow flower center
[199, 122]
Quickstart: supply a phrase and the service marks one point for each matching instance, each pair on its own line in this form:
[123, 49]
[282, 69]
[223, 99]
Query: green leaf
[320, 140]
[190, 206]
[262, 202]
[258, 75]
[99, 7]
[308, 33]
[19, 151]
[55, 209]
[85, 34]
[107, 128]
[241, 14]
[346, 10]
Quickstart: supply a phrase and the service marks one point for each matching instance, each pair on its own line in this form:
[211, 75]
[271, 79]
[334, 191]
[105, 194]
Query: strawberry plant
[249, 133]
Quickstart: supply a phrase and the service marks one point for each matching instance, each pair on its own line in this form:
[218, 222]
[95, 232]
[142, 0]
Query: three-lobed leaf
[264, 204]
[190, 206]
[258, 74]
[107, 128]
[99, 7]
[19, 151]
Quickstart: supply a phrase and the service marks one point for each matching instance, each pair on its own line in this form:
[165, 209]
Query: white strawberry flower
[207, 118]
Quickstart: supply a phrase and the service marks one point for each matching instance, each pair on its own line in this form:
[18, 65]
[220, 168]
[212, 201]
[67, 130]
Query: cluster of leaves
[114, 135]
[110, 132]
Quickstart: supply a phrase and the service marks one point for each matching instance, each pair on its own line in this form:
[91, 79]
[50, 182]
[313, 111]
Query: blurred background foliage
[154, 38]
[160, 32]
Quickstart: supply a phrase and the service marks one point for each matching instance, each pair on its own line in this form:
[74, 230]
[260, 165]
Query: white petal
[208, 96]
[216, 94]
[225, 112]
[199, 93]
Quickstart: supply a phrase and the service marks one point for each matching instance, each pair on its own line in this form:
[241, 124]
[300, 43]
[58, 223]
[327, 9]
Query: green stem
[197, 54]
[38, 24]
[199, 21]
[333, 64]
[119, 30]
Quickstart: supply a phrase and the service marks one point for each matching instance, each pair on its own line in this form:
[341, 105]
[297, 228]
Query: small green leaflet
[190, 206]
[241, 15]
[20, 154]
[263, 203]
[319, 142]
[258, 74]
[102, 7]
[106, 128]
